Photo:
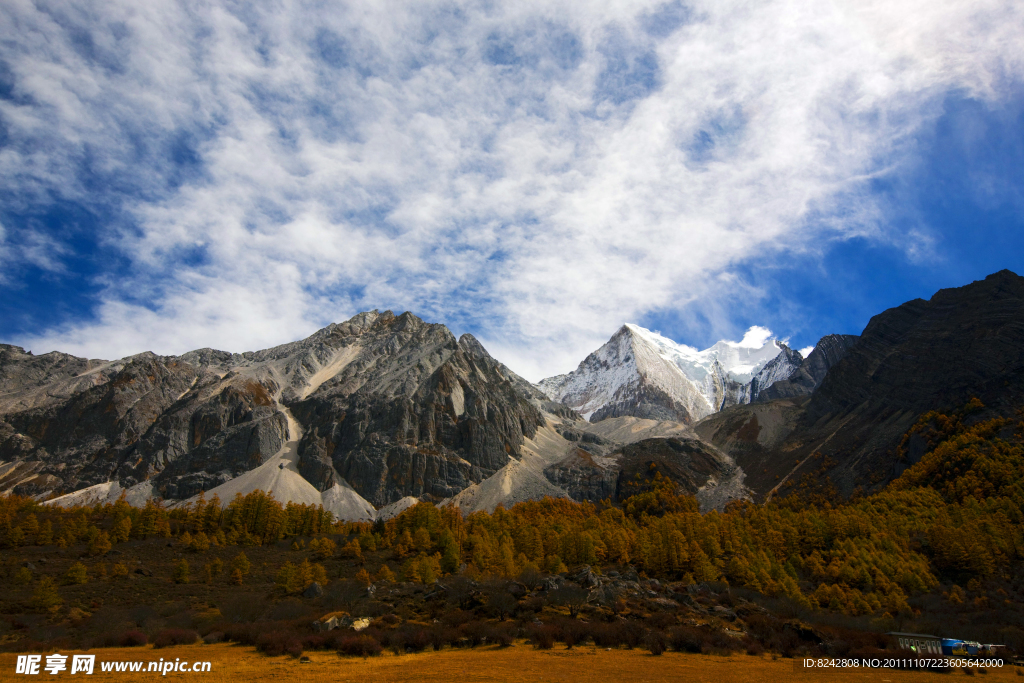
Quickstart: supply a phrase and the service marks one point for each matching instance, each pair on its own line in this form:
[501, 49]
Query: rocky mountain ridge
[370, 415]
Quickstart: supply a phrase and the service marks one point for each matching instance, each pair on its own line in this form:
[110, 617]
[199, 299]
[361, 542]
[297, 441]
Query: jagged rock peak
[472, 346]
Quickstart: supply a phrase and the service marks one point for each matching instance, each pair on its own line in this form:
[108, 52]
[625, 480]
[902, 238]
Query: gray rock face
[155, 418]
[595, 472]
[414, 413]
[582, 477]
[394, 405]
[645, 401]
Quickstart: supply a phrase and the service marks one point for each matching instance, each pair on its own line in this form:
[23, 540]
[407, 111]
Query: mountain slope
[963, 343]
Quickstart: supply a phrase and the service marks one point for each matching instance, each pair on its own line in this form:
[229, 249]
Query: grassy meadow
[518, 663]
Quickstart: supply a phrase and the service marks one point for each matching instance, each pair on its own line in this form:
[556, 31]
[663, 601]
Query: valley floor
[517, 663]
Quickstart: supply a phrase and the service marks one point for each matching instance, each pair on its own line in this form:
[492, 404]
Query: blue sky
[176, 175]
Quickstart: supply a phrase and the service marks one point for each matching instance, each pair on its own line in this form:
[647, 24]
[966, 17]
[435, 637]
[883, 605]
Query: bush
[543, 637]
[174, 636]
[606, 635]
[686, 639]
[632, 634]
[655, 642]
[278, 643]
[476, 632]
[441, 636]
[571, 632]
[359, 646]
[503, 635]
[133, 638]
[416, 639]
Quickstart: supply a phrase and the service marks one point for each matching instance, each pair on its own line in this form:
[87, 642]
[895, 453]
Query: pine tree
[45, 597]
[122, 530]
[181, 571]
[76, 574]
[385, 575]
[285, 578]
[240, 563]
[363, 578]
[46, 533]
[100, 544]
[305, 572]
[200, 543]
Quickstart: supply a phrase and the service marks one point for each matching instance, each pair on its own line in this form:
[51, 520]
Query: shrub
[416, 639]
[686, 639]
[571, 632]
[543, 637]
[475, 632]
[278, 643]
[632, 634]
[133, 638]
[606, 635]
[443, 635]
[359, 646]
[655, 642]
[503, 635]
[174, 636]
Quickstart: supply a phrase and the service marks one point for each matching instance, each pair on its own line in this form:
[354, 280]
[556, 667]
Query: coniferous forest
[939, 550]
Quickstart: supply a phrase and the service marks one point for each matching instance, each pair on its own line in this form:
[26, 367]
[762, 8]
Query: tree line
[954, 518]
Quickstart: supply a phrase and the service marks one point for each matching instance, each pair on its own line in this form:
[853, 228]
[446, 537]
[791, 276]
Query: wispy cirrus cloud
[537, 174]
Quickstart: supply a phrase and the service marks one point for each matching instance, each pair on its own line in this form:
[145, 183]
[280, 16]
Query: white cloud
[474, 164]
[806, 351]
[755, 337]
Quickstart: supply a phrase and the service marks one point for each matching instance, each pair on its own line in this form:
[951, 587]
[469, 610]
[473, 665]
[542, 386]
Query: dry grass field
[520, 663]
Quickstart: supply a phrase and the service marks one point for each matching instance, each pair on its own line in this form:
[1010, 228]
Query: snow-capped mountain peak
[643, 373]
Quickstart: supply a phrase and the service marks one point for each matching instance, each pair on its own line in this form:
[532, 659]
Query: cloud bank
[538, 173]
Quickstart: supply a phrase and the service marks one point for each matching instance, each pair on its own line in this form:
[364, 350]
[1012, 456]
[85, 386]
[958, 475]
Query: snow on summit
[741, 360]
[642, 373]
